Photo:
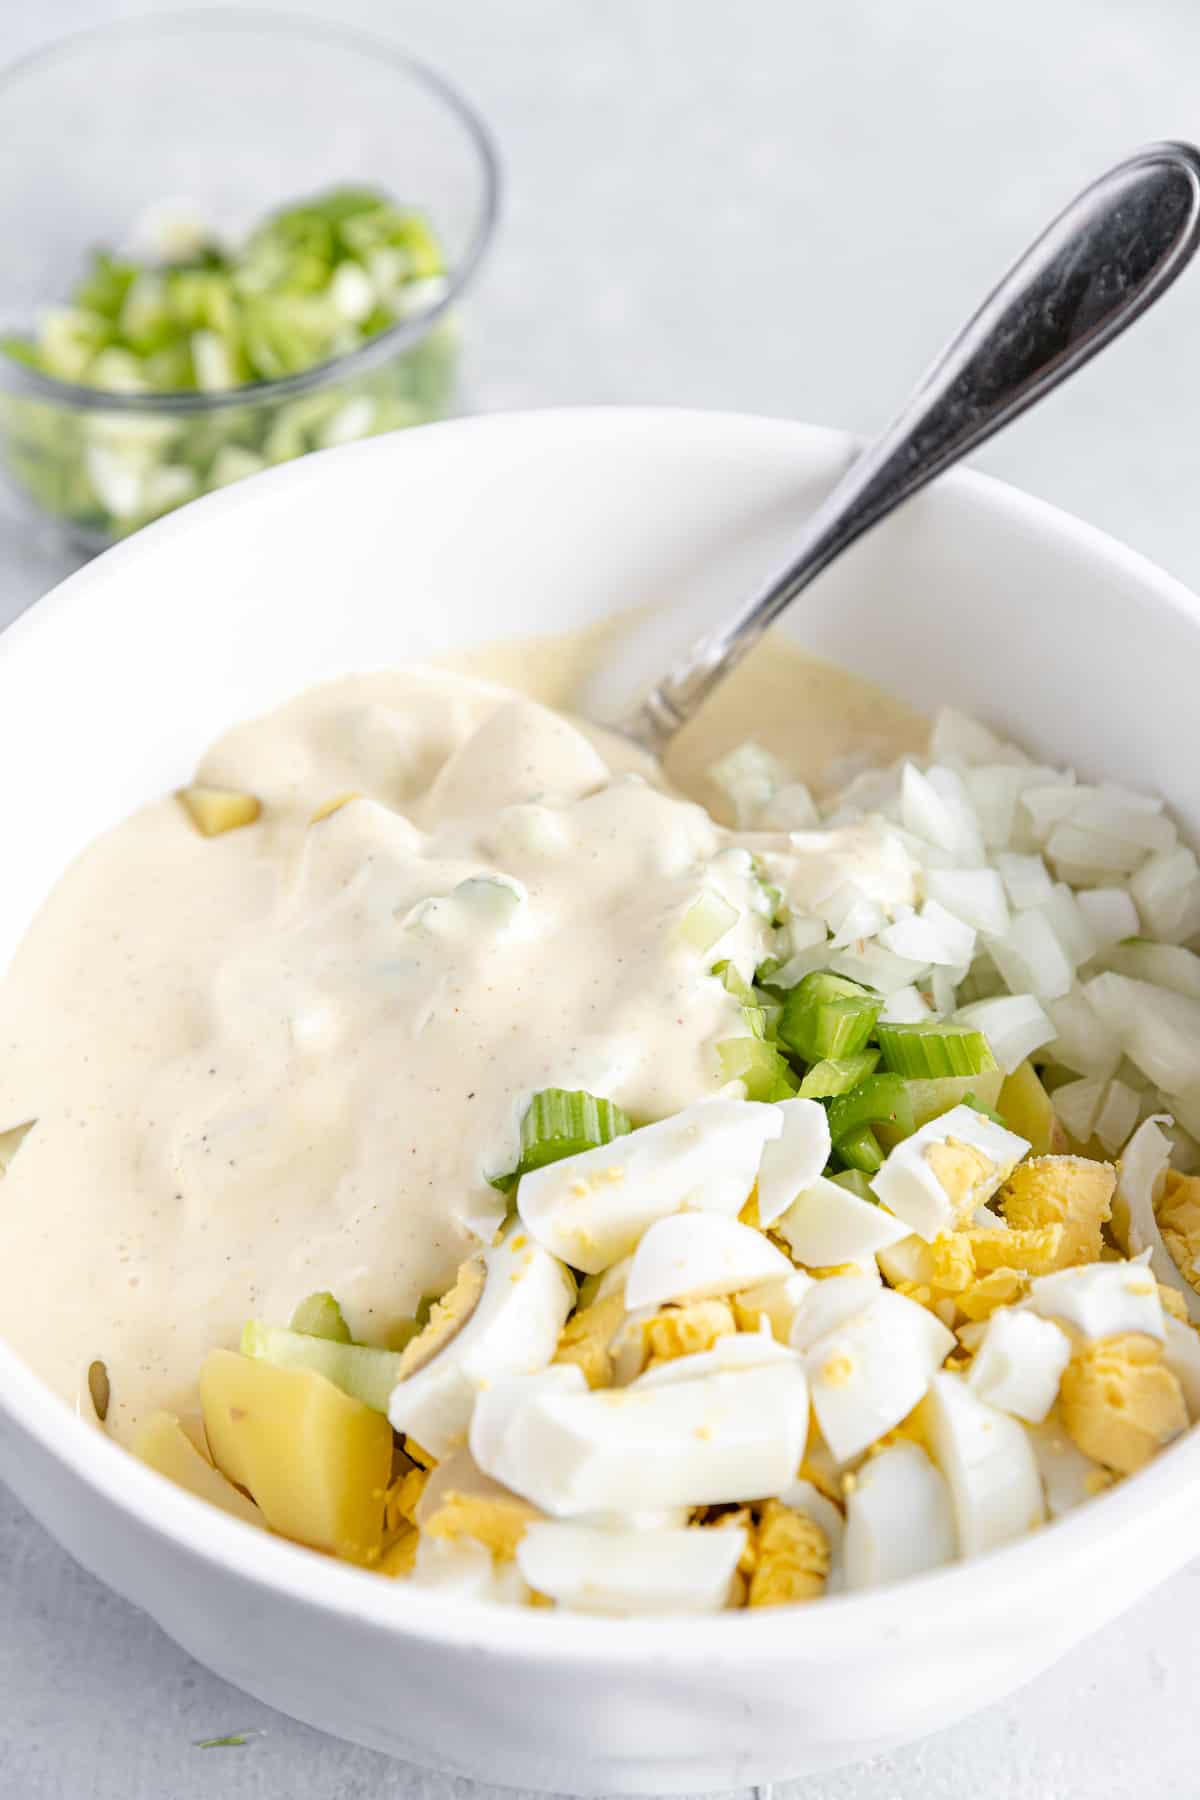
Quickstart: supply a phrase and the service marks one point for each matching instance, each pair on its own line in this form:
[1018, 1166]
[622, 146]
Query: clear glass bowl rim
[379, 349]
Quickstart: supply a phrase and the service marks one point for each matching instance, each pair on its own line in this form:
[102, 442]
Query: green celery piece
[880, 1099]
[931, 1051]
[321, 1316]
[861, 1151]
[766, 1073]
[359, 1370]
[856, 1183]
[826, 1016]
[826, 1080]
[929, 1099]
[559, 1122]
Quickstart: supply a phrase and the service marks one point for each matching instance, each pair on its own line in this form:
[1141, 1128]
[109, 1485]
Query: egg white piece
[653, 1571]
[873, 1369]
[513, 1330]
[1068, 1476]
[829, 1302]
[777, 1302]
[719, 1438]
[506, 1401]
[741, 1350]
[1182, 1356]
[462, 1567]
[827, 1225]
[591, 1210]
[1141, 1169]
[696, 1256]
[794, 1160]
[1019, 1364]
[989, 1463]
[909, 1187]
[899, 1520]
[1102, 1299]
[807, 1499]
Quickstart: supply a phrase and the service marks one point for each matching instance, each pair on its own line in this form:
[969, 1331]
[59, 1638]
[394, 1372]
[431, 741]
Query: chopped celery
[826, 1080]
[765, 1072]
[321, 1316]
[560, 1123]
[735, 983]
[861, 1151]
[929, 1099]
[930, 1051]
[879, 1100]
[856, 1183]
[826, 1016]
[365, 1373]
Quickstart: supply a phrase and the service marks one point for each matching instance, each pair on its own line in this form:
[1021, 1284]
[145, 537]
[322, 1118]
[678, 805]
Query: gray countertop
[775, 207]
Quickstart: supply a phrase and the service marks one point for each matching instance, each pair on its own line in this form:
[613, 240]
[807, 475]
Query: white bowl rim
[913, 1608]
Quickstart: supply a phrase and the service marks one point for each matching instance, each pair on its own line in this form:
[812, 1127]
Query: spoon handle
[1103, 261]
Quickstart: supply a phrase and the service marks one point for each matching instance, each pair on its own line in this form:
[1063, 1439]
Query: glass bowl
[226, 117]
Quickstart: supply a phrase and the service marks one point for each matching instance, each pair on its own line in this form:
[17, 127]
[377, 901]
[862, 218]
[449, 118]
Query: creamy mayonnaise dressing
[289, 1057]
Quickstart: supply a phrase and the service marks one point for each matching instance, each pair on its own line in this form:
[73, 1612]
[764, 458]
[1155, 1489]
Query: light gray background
[775, 206]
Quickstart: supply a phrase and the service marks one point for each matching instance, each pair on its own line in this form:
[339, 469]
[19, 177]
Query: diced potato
[214, 810]
[163, 1443]
[1025, 1107]
[317, 1462]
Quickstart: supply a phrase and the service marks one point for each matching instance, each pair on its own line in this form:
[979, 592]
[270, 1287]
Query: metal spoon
[1104, 260]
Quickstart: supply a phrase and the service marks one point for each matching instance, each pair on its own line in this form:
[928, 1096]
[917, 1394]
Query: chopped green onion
[359, 1370]
[856, 1183]
[880, 1099]
[299, 293]
[560, 1123]
[828, 1017]
[931, 1051]
[320, 1316]
[861, 1151]
[765, 1072]
[826, 1080]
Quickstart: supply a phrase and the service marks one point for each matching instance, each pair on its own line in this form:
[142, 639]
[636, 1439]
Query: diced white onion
[1109, 914]
[1078, 1104]
[1031, 959]
[1015, 1025]
[1026, 878]
[976, 896]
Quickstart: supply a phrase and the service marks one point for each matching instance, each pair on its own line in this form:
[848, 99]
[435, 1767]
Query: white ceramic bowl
[409, 546]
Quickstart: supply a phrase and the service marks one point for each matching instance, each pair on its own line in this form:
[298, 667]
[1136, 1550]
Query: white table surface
[774, 206]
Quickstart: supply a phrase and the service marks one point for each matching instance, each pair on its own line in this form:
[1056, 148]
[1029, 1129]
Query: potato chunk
[317, 1462]
[214, 810]
[1026, 1108]
[165, 1446]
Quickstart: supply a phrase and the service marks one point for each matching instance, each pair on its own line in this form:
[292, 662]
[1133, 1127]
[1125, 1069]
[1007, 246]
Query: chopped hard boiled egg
[935, 1179]
[826, 1225]
[1141, 1178]
[1062, 1190]
[590, 1210]
[509, 1325]
[1019, 1364]
[899, 1520]
[651, 1571]
[871, 1371]
[1181, 1353]
[773, 1305]
[793, 1161]
[987, 1460]
[828, 1303]
[698, 1256]
[1120, 1402]
[703, 1442]
[1102, 1300]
